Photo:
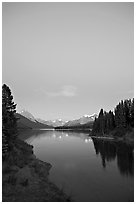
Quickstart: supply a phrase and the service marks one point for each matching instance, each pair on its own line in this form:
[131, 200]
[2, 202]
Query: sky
[64, 60]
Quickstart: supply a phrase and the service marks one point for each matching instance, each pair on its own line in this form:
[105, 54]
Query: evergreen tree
[9, 125]
[132, 113]
[112, 120]
[95, 128]
[127, 107]
[101, 119]
[120, 119]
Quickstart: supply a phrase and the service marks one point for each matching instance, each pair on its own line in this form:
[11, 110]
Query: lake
[87, 169]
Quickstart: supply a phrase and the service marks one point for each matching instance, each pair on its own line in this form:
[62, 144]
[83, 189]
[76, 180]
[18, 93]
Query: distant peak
[86, 115]
[92, 115]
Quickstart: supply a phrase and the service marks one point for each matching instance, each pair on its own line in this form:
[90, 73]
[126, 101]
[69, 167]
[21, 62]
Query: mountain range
[54, 123]
[81, 121]
[27, 120]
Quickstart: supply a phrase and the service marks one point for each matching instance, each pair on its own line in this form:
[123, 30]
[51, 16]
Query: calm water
[87, 169]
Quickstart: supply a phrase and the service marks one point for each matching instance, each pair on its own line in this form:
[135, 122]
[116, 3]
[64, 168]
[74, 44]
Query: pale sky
[64, 60]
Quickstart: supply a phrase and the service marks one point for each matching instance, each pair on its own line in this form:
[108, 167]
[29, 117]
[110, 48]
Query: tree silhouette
[132, 113]
[9, 125]
[121, 120]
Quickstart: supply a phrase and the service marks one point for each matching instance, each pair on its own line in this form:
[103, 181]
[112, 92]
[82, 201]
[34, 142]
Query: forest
[118, 123]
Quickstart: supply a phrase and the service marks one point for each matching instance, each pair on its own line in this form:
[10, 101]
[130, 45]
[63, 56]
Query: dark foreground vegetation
[24, 178]
[119, 124]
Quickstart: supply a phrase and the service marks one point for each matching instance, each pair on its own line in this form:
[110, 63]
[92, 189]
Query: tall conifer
[9, 125]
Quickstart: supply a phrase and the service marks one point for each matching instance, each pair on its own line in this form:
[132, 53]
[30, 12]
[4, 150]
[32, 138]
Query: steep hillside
[28, 115]
[25, 123]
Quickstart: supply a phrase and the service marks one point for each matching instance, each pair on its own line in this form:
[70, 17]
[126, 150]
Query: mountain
[26, 123]
[27, 120]
[54, 123]
[59, 122]
[28, 115]
[50, 123]
[81, 121]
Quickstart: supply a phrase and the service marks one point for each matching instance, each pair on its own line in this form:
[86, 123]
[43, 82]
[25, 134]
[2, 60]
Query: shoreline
[26, 178]
[113, 138]
[103, 137]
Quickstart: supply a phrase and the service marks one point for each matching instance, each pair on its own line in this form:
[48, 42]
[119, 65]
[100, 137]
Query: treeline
[82, 127]
[119, 122]
[9, 121]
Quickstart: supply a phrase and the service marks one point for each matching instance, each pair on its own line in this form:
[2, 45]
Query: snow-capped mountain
[59, 122]
[54, 123]
[81, 121]
[87, 118]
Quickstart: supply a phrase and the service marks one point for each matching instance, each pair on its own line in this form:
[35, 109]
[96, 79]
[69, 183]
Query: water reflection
[76, 162]
[87, 140]
[109, 150]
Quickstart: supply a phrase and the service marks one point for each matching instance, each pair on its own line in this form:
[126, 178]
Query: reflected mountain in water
[111, 150]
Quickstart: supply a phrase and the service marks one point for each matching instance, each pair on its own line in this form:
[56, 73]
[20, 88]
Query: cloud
[67, 91]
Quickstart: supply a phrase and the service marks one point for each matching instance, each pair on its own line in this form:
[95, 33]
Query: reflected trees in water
[111, 150]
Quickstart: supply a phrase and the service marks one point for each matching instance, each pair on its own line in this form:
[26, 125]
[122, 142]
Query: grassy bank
[25, 178]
